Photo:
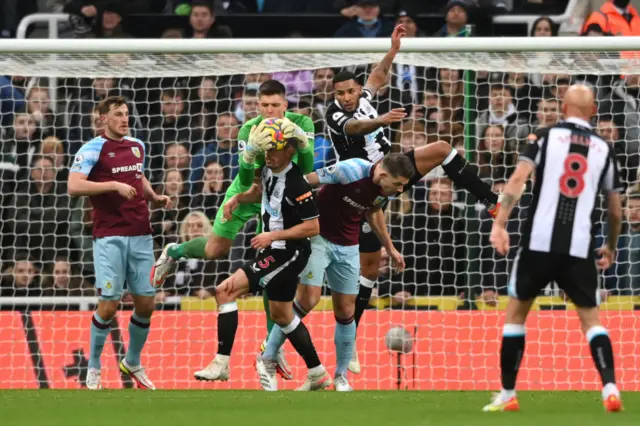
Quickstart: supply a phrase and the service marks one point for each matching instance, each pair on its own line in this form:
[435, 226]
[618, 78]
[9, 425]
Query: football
[274, 126]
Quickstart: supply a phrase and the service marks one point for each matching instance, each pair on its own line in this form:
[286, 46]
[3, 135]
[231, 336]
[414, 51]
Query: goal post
[187, 100]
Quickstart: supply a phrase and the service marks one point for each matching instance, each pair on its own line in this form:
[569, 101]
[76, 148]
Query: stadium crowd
[190, 127]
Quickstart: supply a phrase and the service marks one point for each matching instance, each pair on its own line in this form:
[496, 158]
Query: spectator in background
[206, 106]
[16, 153]
[176, 156]
[451, 94]
[615, 17]
[101, 19]
[322, 96]
[63, 280]
[223, 149]
[408, 19]
[494, 163]
[544, 27]
[625, 108]
[21, 278]
[548, 113]
[80, 232]
[525, 95]
[369, 22]
[39, 214]
[202, 21]
[193, 277]
[433, 242]
[53, 148]
[11, 101]
[629, 161]
[39, 106]
[412, 135]
[299, 84]
[173, 126]
[502, 111]
[247, 108]
[208, 194]
[556, 84]
[164, 222]
[456, 16]
[627, 267]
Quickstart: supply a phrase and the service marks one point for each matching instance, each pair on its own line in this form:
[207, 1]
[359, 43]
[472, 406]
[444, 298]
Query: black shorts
[369, 242]
[417, 176]
[533, 270]
[277, 271]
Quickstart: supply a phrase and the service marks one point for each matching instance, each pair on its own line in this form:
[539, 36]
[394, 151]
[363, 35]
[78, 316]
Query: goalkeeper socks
[138, 333]
[267, 311]
[364, 294]
[99, 332]
[511, 354]
[227, 326]
[345, 340]
[193, 249]
[602, 353]
[300, 339]
[466, 176]
[277, 336]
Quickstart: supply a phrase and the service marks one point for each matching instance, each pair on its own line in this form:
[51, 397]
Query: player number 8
[575, 166]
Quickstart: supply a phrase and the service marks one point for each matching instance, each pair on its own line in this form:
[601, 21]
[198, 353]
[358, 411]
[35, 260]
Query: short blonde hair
[52, 145]
[207, 228]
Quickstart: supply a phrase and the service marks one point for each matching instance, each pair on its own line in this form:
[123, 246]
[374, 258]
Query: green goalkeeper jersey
[304, 158]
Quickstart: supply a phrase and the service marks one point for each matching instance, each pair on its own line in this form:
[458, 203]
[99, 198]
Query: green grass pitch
[244, 408]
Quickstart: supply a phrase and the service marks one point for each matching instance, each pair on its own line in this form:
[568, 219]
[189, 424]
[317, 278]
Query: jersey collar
[578, 121]
[284, 172]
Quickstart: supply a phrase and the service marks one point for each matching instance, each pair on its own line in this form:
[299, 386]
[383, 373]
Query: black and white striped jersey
[572, 165]
[371, 147]
[287, 201]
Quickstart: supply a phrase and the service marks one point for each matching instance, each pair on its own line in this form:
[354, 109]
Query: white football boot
[138, 375]
[341, 384]
[93, 379]
[218, 369]
[267, 374]
[282, 366]
[163, 267]
[321, 380]
[354, 364]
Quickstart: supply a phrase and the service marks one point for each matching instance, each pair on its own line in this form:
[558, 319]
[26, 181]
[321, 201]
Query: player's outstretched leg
[602, 353]
[511, 353]
[293, 329]
[272, 348]
[369, 266]
[226, 295]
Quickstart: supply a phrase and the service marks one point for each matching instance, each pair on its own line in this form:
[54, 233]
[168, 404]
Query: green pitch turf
[252, 408]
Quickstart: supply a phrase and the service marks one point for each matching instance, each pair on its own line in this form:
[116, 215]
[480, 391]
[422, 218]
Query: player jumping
[357, 131]
[290, 217]
[272, 104]
[109, 169]
[355, 188]
[571, 165]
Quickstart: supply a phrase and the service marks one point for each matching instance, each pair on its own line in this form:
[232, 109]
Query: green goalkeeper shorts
[229, 228]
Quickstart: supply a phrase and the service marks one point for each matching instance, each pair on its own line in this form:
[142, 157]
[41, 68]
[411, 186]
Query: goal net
[482, 96]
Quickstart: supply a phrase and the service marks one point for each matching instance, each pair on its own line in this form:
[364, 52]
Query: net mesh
[188, 109]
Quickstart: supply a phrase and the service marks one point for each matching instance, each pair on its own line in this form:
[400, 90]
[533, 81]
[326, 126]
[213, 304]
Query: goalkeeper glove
[259, 141]
[293, 131]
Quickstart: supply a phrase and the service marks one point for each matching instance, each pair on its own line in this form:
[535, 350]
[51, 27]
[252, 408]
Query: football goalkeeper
[253, 140]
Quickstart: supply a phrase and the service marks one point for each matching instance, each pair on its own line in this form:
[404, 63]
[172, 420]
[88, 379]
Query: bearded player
[357, 131]
[253, 140]
[109, 169]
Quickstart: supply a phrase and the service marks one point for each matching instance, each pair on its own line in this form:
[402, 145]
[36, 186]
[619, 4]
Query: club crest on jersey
[136, 151]
[379, 200]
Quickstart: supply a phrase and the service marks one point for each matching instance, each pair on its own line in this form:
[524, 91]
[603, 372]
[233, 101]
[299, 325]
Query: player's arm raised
[380, 72]
[375, 218]
[251, 141]
[355, 127]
